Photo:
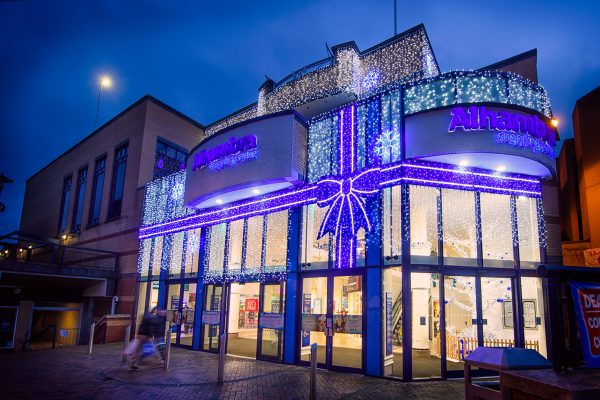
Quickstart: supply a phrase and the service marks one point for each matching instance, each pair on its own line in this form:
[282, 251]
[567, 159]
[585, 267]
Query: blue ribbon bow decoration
[345, 198]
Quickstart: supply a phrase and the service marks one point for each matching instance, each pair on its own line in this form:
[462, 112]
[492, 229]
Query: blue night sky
[207, 59]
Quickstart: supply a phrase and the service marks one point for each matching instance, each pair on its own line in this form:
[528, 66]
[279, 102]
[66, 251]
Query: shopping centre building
[390, 213]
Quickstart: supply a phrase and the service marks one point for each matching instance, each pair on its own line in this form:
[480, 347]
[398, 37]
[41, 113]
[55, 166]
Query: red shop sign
[252, 305]
[586, 299]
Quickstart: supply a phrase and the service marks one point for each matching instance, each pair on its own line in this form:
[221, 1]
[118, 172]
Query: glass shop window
[276, 241]
[254, 242]
[423, 225]
[315, 253]
[392, 322]
[392, 226]
[426, 333]
[496, 230]
[534, 320]
[236, 236]
[144, 259]
[458, 223]
[529, 239]
[496, 308]
[361, 248]
[176, 256]
[215, 249]
[157, 256]
[141, 303]
[192, 251]
[461, 317]
[322, 148]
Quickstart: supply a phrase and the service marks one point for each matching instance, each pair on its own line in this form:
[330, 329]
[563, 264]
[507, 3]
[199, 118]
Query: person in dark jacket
[151, 329]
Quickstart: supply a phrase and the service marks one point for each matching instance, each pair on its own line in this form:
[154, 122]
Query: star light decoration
[371, 79]
[387, 143]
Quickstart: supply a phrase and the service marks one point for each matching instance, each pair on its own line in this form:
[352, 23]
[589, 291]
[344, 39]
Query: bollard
[91, 342]
[221, 370]
[313, 371]
[126, 341]
[168, 349]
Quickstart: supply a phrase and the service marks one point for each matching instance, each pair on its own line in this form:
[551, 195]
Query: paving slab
[71, 373]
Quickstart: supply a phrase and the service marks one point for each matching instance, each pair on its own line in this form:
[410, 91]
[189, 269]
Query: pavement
[71, 373]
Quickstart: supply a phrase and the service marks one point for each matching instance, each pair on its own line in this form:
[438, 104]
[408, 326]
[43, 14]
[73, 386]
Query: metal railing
[50, 337]
[21, 247]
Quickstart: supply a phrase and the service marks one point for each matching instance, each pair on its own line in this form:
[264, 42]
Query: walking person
[151, 329]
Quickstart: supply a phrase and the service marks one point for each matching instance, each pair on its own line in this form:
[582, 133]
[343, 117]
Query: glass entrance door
[271, 321]
[211, 318]
[332, 310]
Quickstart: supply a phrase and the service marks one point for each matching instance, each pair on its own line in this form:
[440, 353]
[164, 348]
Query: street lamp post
[104, 82]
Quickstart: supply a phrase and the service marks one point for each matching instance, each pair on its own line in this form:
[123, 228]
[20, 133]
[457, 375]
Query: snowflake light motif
[371, 79]
[387, 143]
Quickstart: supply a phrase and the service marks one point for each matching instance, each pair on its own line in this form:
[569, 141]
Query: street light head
[105, 81]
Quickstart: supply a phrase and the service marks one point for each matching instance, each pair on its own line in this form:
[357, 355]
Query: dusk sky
[207, 59]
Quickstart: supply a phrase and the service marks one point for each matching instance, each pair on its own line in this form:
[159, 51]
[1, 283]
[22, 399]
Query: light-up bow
[344, 196]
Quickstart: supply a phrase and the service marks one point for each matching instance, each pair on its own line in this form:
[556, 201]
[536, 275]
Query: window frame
[114, 211]
[94, 220]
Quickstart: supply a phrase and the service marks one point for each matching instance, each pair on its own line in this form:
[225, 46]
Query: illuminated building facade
[392, 214]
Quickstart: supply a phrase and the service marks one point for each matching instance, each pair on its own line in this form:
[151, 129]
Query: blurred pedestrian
[150, 331]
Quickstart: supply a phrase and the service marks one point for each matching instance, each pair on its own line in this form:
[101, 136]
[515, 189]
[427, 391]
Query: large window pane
[118, 182]
[192, 250]
[392, 226]
[347, 321]
[458, 221]
[96, 202]
[315, 253]
[216, 249]
[527, 222]
[426, 356]
[314, 310]
[236, 234]
[498, 326]
[144, 257]
[79, 199]
[273, 303]
[276, 241]
[392, 322]
[254, 241]
[64, 210]
[172, 305]
[533, 315]
[141, 304]
[211, 317]
[496, 230]
[157, 256]
[461, 311]
[153, 302]
[322, 148]
[176, 255]
[423, 225]
[188, 308]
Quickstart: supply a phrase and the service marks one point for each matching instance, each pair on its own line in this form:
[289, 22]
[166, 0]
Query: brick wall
[139, 125]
